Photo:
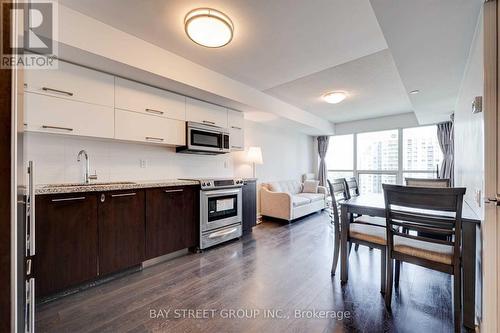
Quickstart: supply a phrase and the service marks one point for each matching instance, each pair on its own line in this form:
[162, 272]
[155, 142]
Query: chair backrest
[352, 187]
[338, 192]
[423, 182]
[428, 210]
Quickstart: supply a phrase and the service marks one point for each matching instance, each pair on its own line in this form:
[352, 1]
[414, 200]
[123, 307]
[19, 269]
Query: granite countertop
[108, 186]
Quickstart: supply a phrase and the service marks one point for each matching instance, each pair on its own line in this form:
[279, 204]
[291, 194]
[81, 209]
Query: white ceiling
[430, 42]
[370, 81]
[296, 50]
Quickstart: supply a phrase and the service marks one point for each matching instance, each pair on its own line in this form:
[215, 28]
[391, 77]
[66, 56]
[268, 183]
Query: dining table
[374, 205]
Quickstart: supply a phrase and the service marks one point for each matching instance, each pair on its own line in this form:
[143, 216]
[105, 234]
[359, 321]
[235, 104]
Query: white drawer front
[62, 116]
[72, 82]
[236, 139]
[236, 123]
[235, 119]
[205, 113]
[133, 126]
[138, 97]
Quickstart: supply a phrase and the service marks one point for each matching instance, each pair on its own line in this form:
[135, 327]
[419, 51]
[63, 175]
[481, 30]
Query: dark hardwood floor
[280, 266]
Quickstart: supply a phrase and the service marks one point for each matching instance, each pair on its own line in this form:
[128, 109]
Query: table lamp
[254, 156]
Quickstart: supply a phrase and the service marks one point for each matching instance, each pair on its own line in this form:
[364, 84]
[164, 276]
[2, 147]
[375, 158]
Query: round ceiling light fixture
[334, 97]
[208, 27]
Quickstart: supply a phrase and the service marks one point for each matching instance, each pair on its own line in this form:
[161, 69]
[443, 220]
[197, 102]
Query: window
[340, 146]
[378, 150]
[421, 152]
[382, 157]
[377, 160]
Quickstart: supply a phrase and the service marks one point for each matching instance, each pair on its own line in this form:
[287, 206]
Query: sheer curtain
[322, 149]
[445, 138]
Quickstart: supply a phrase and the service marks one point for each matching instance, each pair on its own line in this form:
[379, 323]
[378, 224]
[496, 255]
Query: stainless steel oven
[220, 211]
[205, 139]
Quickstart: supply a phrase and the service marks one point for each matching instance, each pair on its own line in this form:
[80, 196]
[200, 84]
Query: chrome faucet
[88, 177]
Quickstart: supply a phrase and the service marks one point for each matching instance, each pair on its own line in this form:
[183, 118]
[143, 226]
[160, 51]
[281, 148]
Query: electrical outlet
[142, 163]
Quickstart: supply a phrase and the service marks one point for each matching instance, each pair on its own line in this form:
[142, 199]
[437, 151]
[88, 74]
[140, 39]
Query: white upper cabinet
[236, 124]
[61, 116]
[138, 97]
[133, 126]
[205, 113]
[72, 82]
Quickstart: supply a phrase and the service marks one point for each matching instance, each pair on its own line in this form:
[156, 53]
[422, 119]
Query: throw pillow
[311, 186]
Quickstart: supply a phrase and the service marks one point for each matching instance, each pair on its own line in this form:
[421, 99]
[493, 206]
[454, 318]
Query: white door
[490, 230]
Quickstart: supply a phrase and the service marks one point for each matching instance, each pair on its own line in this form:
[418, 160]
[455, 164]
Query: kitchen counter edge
[46, 189]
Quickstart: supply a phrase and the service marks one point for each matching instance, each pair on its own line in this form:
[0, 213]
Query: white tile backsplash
[55, 159]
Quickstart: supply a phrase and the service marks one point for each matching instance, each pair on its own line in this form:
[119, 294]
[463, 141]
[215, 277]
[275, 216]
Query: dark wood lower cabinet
[66, 241]
[171, 219]
[249, 205]
[81, 236]
[121, 230]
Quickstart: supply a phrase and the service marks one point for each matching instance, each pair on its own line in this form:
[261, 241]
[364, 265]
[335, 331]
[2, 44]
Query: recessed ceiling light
[334, 97]
[208, 27]
[414, 92]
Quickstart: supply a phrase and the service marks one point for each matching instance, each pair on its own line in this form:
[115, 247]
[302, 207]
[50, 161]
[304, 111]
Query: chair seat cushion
[368, 233]
[312, 196]
[300, 201]
[371, 220]
[425, 250]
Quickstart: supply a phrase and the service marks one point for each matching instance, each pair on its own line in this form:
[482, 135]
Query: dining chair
[338, 193]
[426, 182]
[368, 231]
[431, 210]
[353, 191]
[352, 187]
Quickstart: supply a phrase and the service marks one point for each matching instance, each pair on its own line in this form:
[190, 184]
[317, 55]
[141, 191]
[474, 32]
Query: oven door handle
[222, 233]
[217, 193]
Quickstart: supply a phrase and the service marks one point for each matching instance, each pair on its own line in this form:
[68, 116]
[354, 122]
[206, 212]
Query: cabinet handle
[68, 199]
[57, 91]
[57, 128]
[235, 127]
[172, 191]
[154, 111]
[152, 138]
[123, 195]
[208, 122]
[237, 147]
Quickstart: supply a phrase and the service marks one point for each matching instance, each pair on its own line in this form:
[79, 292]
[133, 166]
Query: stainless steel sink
[83, 184]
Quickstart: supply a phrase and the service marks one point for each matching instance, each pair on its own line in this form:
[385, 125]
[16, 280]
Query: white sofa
[285, 200]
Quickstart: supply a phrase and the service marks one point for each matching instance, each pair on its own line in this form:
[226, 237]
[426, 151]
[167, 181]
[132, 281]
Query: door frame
[490, 229]
[7, 310]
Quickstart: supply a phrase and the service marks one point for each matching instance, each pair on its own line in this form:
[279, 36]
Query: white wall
[286, 154]
[469, 128]
[403, 120]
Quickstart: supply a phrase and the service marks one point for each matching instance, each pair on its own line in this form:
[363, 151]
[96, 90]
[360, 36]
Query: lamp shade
[255, 155]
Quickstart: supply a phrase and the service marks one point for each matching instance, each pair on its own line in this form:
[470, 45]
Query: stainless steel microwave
[205, 139]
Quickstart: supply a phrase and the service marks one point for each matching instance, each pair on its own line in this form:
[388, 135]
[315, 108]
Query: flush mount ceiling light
[334, 97]
[208, 27]
[414, 92]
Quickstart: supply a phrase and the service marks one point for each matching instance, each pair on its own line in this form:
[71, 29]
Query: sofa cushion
[312, 196]
[310, 186]
[300, 201]
[288, 186]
